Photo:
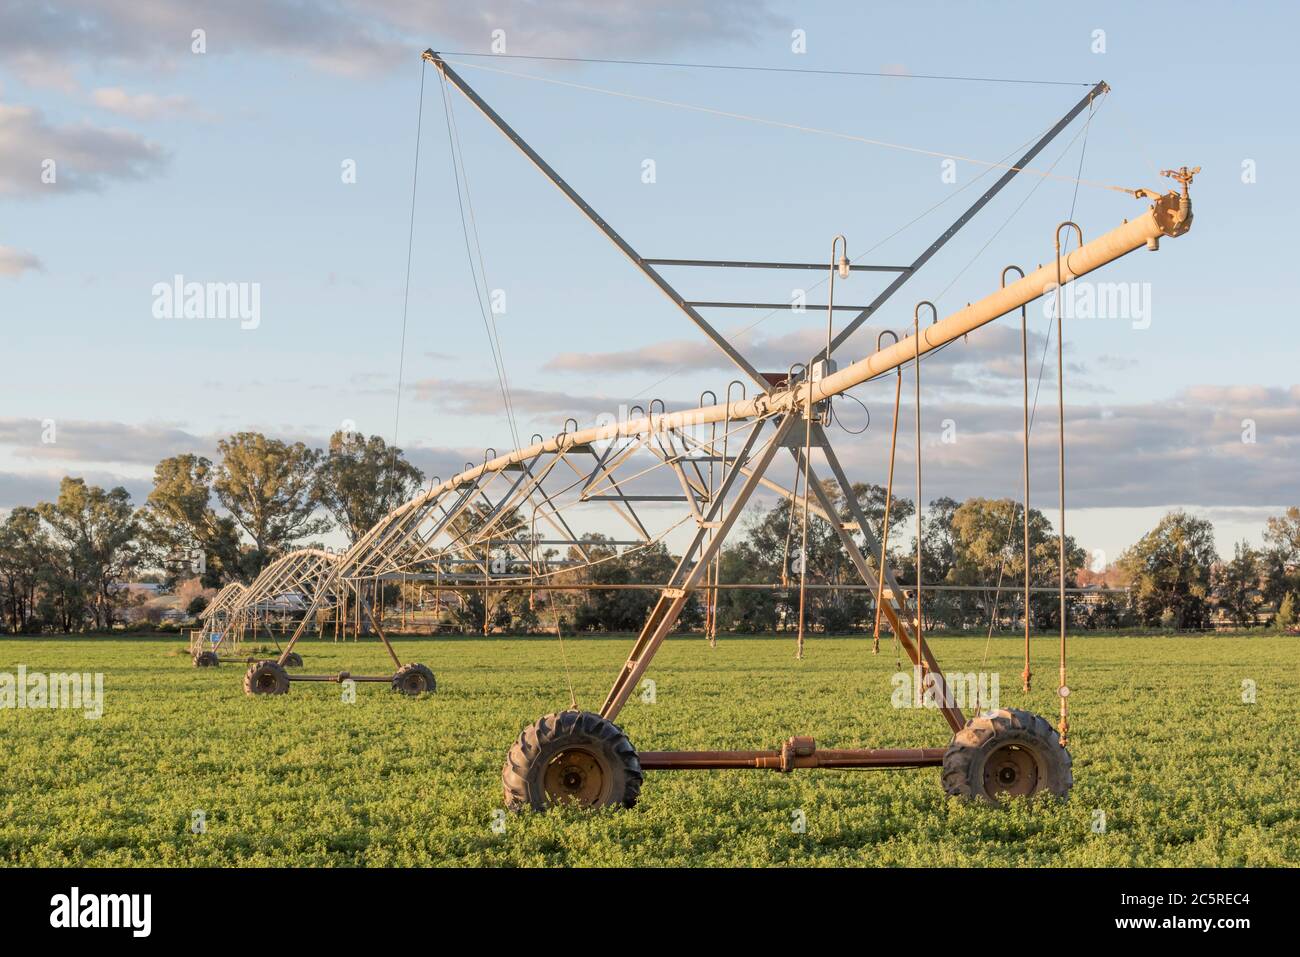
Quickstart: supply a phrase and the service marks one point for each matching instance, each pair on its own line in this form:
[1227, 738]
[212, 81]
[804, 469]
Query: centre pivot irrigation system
[297, 590]
[275, 599]
[491, 526]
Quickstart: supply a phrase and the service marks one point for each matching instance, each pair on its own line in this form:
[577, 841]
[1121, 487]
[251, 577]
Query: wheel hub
[1012, 771]
[574, 776]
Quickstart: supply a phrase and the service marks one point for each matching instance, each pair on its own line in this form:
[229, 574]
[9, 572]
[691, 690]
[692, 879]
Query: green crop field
[1184, 771]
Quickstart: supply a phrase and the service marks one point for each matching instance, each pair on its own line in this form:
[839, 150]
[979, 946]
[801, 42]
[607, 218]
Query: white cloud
[140, 106]
[1184, 450]
[44, 71]
[100, 441]
[15, 262]
[353, 36]
[988, 363]
[1131, 458]
[28, 488]
[483, 397]
[84, 157]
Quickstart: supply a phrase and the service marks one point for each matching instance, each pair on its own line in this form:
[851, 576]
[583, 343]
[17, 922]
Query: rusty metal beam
[796, 754]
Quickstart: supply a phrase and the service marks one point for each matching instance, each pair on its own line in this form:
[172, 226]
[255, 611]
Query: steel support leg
[689, 570]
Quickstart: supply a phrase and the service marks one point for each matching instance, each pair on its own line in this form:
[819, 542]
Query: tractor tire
[293, 661]
[206, 659]
[1006, 753]
[572, 757]
[414, 680]
[266, 677]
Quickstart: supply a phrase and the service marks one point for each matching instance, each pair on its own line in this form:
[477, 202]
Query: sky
[276, 148]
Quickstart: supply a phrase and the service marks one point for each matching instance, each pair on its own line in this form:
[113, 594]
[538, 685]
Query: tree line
[62, 563]
[1171, 579]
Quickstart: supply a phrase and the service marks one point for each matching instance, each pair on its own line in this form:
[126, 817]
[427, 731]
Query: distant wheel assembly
[1005, 754]
[414, 680]
[571, 757]
[266, 677]
[271, 677]
[206, 659]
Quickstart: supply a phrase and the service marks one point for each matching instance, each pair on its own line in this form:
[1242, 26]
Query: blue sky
[226, 166]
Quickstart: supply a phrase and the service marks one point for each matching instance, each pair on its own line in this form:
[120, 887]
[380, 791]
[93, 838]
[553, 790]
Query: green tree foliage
[1236, 585]
[1283, 533]
[178, 516]
[1170, 572]
[485, 545]
[625, 609]
[744, 610]
[871, 500]
[771, 552]
[361, 480]
[986, 540]
[1278, 578]
[93, 533]
[24, 567]
[269, 487]
[938, 561]
[1286, 614]
[1279, 561]
[60, 562]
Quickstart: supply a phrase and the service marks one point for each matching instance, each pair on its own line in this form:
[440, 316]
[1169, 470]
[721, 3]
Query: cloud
[39, 70]
[769, 353]
[353, 36]
[673, 355]
[160, 33]
[14, 262]
[441, 462]
[484, 398]
[28, 488]
[1185, 450]
[84, 157]
[140, 106]
[590, 28]
[988, 363]
[99, 441]
[120, 443]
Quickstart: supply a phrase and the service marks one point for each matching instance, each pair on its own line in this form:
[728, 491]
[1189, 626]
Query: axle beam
[798, 752]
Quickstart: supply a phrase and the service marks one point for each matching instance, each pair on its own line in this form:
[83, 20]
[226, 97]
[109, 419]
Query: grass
[1184, 771]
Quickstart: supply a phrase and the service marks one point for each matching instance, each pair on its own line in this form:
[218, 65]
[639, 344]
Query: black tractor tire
[266, 677]
[294, 660]
[571, 757]
[413, 680]
[1006, 753]
[206, 659]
